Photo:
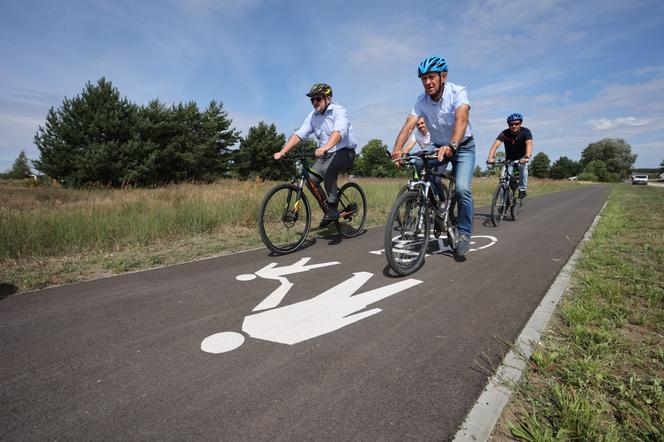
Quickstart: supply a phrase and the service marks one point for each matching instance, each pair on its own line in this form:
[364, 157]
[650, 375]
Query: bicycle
[408, 227]
[506, 194]
[284, 217]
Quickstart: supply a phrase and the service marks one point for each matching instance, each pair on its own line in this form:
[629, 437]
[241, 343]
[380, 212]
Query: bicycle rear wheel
[407, 233]
[499, 204]
[515, 207]
[352, 210]
[284, 219]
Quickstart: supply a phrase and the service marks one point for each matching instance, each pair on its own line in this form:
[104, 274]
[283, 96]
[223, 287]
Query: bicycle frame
[303, 178]
[509, 183]
[508, 174]
[424, 184]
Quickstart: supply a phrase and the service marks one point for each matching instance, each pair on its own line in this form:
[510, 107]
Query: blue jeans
[523, 175]
[463, 166]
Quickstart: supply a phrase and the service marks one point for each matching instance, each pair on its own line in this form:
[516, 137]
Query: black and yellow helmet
[320, 89]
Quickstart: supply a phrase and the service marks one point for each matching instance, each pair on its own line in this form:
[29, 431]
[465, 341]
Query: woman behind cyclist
[328, 122]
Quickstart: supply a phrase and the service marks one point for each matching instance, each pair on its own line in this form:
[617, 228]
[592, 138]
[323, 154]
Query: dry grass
[51, 235]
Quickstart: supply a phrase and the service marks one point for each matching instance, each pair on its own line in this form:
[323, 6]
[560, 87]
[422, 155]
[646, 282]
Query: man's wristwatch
[453, 145]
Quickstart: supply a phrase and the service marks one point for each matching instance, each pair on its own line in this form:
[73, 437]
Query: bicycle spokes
[407, 233]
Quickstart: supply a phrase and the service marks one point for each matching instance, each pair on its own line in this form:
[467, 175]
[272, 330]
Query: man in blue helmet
[328, 122]
[445, 109]
[518, 142]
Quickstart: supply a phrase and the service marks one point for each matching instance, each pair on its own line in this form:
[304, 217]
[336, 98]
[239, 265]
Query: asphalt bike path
[324, 344]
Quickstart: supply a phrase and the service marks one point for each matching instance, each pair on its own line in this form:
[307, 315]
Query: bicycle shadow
[333, 237]
[485, 218]
[305, 245]
[7, 290]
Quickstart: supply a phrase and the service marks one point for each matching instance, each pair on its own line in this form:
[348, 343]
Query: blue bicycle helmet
[514, 117]
[432, 64]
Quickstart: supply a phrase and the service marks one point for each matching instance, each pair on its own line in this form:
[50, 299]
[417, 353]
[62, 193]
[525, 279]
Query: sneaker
[522, 194]
[463, 245]
[324, 223]
[332, 214]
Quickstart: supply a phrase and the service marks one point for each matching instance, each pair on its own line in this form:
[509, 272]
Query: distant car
[572, 178]
[640, 179]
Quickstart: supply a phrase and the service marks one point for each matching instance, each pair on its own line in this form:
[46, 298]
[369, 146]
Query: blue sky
[579, 71]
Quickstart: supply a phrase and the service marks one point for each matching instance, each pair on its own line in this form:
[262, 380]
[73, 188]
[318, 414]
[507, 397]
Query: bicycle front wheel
[284, 218]
[515, 207]
[499, 204]
[352, 210]
[407, 233]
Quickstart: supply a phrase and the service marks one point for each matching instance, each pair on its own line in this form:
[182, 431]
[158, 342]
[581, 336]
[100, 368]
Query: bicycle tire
[406, 242]
[499, 204]
[402, 190]
[352, 210]
[453, 221]
[516, 206]
[283, 223]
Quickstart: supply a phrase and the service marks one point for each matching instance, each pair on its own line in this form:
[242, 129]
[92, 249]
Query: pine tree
[81, 141]
[255, 157]
[540, 166]
[20, 169]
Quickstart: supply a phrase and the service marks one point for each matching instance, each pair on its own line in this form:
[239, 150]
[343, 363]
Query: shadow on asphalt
[7, 290]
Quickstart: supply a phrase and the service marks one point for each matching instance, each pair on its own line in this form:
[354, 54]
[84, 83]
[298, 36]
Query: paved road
[289, 353]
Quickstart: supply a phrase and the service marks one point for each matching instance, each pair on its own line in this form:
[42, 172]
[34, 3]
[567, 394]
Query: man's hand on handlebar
[444, 151]
[278, 155]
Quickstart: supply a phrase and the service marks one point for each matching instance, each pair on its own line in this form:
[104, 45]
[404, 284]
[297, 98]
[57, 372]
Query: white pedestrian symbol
[331, 310]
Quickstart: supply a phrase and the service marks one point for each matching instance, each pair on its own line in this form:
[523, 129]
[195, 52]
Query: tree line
[607, 160]
[100, 138]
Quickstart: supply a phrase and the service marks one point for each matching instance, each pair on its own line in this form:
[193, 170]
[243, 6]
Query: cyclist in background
[518, 142]
[445, 108]
[329, 123]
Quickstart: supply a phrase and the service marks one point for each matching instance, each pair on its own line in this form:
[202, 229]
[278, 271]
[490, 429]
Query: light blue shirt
[439, 116]
[322, 126]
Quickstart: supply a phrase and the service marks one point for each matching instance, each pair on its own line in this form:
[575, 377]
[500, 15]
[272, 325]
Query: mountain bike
[284, 217]
[415, 211]
[505, 197]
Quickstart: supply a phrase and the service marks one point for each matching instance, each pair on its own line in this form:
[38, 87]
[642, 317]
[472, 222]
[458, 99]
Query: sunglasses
[518, 123]
[317, 99]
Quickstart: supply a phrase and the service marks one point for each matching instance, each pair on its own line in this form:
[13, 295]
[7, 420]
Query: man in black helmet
[329, 123]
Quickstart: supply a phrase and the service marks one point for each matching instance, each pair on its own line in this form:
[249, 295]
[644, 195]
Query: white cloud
[602, 124]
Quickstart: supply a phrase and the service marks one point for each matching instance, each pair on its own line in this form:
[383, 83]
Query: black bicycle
[415, 211]
[284, 217]
[505, 197]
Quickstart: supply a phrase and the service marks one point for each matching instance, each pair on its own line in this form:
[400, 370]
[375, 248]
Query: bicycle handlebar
[502, 162]
[425, 155]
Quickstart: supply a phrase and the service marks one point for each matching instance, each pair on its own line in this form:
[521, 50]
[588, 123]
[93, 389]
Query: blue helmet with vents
[432, 64]
[515, 117]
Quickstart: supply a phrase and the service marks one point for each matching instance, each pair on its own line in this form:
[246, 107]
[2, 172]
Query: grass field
[51, 235]
[598, 374]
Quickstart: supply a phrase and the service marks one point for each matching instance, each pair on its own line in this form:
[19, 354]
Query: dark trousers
[328, 166]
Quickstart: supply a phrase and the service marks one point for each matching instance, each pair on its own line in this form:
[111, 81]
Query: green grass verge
[598, 374]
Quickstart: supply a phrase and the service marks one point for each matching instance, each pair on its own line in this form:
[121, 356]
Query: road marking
[329, 311]
[439, 246]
